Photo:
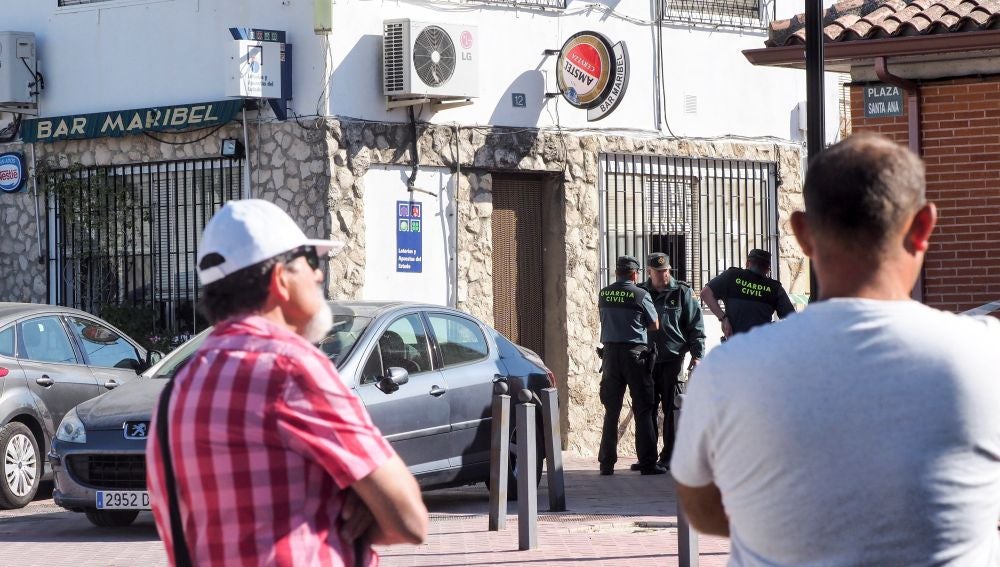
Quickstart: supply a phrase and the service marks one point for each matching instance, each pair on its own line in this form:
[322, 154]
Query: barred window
[706, 214]
[741, 14]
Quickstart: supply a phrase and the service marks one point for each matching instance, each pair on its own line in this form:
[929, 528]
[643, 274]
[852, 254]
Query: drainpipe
[913, 118]
[912, 99]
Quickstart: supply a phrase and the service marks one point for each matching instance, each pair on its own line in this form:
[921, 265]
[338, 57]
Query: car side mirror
[152, 357]
[391, 382]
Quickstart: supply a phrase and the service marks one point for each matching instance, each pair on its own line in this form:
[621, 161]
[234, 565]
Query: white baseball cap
[247, 232]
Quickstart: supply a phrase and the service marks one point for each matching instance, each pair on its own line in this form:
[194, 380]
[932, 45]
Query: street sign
[883, 100]
[409, 237]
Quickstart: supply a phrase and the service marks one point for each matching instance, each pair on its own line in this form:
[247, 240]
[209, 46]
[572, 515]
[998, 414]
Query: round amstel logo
[11, 172]
[585, 65]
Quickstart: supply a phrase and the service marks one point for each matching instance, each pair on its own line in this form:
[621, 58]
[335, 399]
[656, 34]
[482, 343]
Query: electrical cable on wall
[621, 131]
[322, 103]
[213, 129]
[9, 133]
[562, 135]
[260, 142]
[410, 183]
[661, 79]
[458, 179]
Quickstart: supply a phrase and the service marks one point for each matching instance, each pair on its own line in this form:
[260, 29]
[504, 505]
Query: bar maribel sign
[136, 121]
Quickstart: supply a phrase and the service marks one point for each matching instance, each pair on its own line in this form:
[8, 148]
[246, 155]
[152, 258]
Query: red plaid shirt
[265, 438]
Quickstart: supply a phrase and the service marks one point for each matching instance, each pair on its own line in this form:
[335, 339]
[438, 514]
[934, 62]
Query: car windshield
[343, 335]
[346, 331]
[176, 359]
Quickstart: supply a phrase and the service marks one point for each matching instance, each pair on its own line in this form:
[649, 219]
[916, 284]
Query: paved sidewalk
[620, 520]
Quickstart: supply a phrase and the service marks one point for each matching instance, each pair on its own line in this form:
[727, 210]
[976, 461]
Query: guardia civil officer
[682, 331]
[750, 296]
[626, 315]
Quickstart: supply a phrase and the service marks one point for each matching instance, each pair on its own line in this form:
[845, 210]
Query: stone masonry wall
[316, 171]
[478, 151]
[22, 276]
[294, 172]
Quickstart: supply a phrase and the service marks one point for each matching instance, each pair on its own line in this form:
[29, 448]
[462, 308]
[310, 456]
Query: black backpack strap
[182, 558]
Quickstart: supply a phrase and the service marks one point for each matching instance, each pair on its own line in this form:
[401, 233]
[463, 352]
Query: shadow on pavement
[65, 526]
[625, 493]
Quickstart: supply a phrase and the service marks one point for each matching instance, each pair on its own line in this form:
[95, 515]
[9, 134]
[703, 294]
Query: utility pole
[815, 134]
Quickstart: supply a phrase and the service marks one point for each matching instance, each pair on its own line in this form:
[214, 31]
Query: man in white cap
[272, 460]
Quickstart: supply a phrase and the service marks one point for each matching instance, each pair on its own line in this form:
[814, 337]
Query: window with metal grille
[128, 235]
[741, 14]
[705, 214]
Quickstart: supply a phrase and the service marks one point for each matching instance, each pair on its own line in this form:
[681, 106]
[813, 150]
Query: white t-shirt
[858, 432]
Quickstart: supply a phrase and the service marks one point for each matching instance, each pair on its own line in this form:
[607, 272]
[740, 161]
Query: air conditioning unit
[17, 69]
[435, 60]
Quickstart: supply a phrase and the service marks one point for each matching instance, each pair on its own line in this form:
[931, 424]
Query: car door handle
[437, 391]
[112, 384]
[44, 381]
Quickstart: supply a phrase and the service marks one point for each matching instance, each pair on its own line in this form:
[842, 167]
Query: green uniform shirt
[682, 328]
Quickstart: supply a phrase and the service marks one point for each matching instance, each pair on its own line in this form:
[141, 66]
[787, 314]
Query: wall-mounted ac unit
[434, 60]
[17, 69]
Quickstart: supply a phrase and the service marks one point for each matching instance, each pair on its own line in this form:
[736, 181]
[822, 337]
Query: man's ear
[801, 229]
[278, 285]
[918, 236]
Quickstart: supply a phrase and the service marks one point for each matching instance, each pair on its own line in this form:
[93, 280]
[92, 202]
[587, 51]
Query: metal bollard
[499, 457]
[553, 449]
[687, 538]
[527, 489]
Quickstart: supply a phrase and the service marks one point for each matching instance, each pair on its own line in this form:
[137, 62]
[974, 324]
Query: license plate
[123, 500]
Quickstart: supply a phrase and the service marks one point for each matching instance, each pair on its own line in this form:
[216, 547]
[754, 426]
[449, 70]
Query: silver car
[425, 373]
[51, 359]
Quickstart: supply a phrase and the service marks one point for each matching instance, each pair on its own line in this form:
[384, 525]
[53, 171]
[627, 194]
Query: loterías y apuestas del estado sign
[593, 73]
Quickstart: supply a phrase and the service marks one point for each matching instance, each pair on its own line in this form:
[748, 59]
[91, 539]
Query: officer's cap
[658, 261]
[761, 255]
[627, 263]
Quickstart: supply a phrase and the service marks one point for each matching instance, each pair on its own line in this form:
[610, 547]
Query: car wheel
[514, 470]
[111, 518]
[22, 466]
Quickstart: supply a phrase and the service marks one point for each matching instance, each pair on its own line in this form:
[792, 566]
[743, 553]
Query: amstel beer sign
[593, 73]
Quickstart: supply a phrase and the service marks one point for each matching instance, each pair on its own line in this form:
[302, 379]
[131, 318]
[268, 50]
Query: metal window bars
[128, 235]
[706, 214]
[738, 14]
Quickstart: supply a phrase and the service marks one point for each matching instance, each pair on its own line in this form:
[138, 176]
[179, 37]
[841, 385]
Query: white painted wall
[384, 186]
[123, 54]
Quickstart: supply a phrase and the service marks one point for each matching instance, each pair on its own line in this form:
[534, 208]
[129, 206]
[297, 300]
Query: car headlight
[71, 429]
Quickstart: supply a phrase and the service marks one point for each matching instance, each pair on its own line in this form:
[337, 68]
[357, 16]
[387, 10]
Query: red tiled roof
[854, 20]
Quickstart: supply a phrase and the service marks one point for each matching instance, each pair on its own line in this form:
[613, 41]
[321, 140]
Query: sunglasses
[307, 252]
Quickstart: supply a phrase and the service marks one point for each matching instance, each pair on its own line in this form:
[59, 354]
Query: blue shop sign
[11, 172]
[409, 237]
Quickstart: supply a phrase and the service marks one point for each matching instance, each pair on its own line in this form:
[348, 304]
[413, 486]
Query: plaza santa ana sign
[593, 73]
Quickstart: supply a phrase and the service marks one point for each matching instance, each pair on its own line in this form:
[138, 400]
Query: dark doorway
[518, 286]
